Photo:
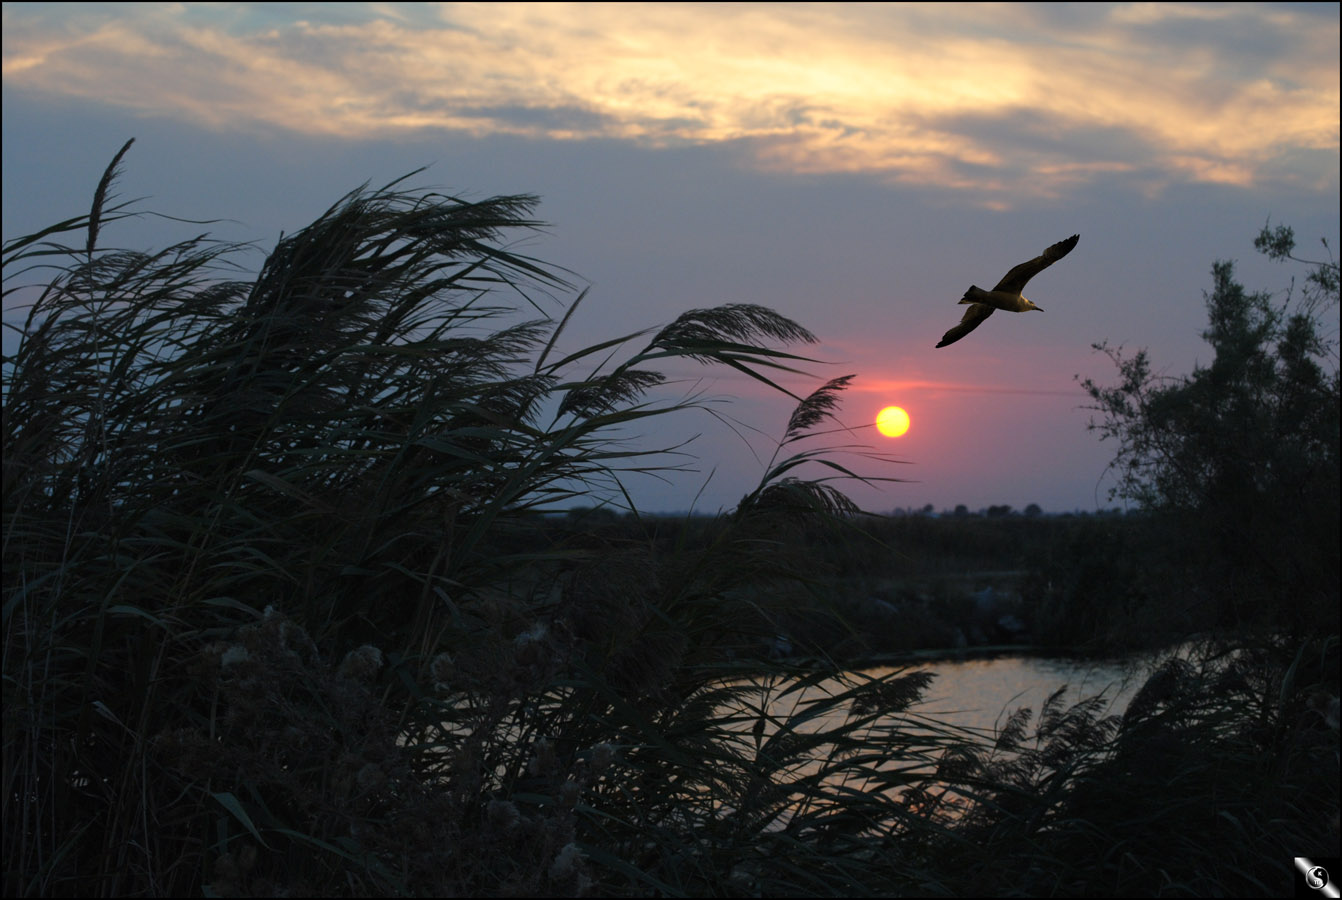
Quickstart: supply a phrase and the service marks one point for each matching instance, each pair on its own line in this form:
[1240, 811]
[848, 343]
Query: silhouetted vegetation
[1241, 458]
[283, 614]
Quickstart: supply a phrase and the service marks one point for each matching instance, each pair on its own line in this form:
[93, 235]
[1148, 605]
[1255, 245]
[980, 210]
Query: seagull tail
[974, 289]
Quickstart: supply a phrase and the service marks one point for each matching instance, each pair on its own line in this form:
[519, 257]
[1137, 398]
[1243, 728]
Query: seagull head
[1029, 304]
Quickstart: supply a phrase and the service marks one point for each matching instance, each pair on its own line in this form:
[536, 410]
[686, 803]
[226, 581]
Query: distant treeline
[1103, 582]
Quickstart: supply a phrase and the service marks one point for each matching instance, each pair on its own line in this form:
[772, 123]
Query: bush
[1243, 456]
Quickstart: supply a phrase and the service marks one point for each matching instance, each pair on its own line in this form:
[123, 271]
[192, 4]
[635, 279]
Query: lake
[971, 694]
[980, 693]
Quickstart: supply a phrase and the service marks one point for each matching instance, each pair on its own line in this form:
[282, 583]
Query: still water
[981, 693]
[966, 695]
[973, 693]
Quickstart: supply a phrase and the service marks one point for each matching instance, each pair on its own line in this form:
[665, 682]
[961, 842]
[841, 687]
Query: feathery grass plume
[816, 408]
[732, 335]
[744, 323]
[817, 498]
[603, 394]
[100, 197]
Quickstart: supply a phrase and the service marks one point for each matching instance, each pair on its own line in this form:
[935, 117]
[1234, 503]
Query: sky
[855, 167]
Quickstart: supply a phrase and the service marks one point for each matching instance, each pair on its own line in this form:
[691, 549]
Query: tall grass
[277, 622]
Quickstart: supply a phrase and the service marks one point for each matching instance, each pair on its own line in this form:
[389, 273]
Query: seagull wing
[975, 315]
[1014, 281]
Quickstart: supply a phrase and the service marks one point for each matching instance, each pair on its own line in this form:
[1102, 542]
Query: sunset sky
[855, 167]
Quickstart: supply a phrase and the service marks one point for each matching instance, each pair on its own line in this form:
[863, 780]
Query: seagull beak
[1040, 308]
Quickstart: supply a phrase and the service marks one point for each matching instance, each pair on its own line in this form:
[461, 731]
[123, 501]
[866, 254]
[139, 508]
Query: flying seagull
[1007, 294]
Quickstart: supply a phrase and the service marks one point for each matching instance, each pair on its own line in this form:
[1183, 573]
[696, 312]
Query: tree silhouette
[1242, 455]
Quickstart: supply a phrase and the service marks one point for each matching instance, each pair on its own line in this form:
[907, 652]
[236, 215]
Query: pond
[980, 693]
[967, 699]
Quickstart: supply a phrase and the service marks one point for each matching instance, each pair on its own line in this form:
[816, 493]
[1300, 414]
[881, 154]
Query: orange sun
[892, 421]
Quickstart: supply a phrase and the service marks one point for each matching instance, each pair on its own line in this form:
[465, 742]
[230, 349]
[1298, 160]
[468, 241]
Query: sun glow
[892, 421]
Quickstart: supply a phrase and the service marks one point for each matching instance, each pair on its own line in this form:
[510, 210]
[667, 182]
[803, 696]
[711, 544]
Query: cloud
[995, 101]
